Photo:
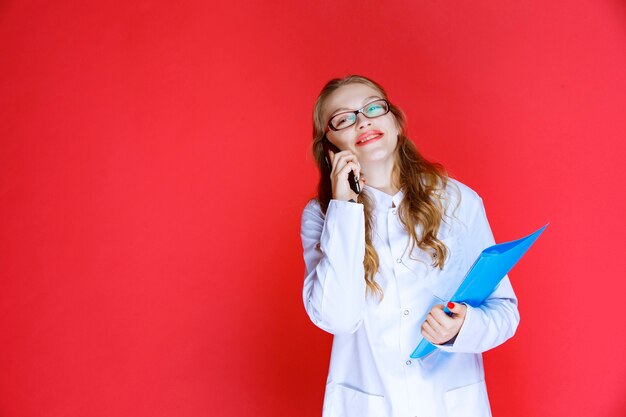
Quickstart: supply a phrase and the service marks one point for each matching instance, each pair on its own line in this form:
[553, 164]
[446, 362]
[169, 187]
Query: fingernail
[450, 305]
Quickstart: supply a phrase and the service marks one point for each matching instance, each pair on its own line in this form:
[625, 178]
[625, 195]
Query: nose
[362, 121]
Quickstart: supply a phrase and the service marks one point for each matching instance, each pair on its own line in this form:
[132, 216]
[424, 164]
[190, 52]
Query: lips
[369, 136]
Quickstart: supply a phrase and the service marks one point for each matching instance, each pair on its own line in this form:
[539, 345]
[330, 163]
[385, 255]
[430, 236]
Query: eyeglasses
[371, 110]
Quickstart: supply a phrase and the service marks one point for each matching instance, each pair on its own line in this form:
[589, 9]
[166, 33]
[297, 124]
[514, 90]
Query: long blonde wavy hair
[422, 182]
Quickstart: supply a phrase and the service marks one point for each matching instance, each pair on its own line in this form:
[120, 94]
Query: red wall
[154, 162]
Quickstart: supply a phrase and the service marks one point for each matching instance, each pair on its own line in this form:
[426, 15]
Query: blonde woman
[380, 263]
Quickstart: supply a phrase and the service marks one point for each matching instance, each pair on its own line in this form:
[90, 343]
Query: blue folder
[484, 276]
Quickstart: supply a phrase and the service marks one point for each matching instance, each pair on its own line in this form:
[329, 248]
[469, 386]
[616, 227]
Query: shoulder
[460, 201]
[313, 205]
[459, 192]
[313, 211]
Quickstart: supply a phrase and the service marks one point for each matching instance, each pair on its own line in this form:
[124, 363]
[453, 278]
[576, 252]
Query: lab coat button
[394, 211]
[408, 362]
[406, 312]
[399, 260]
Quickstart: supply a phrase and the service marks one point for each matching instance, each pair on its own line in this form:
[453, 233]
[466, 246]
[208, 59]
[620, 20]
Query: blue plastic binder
[484, 276]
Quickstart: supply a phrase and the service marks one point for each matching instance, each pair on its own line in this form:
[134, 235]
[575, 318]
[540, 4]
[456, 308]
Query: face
[371, 140]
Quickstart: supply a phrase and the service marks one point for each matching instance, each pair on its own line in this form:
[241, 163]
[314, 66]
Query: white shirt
[371, 373]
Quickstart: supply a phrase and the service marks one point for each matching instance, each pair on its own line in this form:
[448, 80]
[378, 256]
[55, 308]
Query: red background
[154, 162]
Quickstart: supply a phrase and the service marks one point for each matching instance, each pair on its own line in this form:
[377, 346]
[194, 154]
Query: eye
[377, 108]
[343, 120]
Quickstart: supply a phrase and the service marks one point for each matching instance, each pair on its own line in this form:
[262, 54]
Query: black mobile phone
[329, 146]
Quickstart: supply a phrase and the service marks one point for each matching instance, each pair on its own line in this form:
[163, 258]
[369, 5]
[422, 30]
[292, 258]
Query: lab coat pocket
[469, 401]
[349, 402]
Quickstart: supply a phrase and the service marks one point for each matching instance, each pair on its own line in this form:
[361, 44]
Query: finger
[343, 158]
[350, 166]
[429, 334]
[442, 318]
[331, 155]
[441, 335]
[457, 308]
[432, 321]
[439, 315]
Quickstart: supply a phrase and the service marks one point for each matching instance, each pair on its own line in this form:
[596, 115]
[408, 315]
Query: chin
[376, 156]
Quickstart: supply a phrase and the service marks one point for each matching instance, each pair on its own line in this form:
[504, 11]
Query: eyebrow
[364, 102]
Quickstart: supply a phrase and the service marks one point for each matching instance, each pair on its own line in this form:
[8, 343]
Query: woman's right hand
[342, 163]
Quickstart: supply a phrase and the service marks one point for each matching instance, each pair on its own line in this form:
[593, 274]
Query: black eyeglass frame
[356, 113]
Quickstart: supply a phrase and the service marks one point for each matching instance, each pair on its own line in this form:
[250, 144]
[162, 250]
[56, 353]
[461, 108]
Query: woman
[380, 263]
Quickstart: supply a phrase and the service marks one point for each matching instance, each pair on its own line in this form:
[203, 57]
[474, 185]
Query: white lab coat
[371, 373]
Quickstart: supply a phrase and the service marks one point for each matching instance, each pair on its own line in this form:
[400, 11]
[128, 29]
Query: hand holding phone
[352, 178]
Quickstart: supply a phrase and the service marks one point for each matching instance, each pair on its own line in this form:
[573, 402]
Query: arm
[334, 247]
[496, 319]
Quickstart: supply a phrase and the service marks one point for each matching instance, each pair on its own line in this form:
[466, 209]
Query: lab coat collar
[383, 200]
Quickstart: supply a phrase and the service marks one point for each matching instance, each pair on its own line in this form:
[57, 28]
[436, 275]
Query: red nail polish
[450, 305]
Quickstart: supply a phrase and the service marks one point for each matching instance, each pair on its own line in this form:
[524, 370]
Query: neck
[380, 176]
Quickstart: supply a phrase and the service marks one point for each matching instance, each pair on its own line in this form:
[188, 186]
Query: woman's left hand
[439, 328]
